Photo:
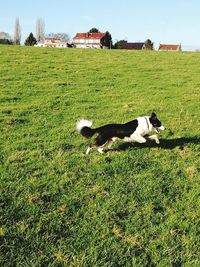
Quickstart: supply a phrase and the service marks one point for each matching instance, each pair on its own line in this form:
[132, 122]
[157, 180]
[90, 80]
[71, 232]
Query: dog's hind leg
[109, 143]
[89, 148]
[100, 149]
[101, 143]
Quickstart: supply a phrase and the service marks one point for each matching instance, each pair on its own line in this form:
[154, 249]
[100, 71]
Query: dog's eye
[157, 124]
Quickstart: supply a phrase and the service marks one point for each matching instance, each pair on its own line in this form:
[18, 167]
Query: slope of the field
[136, 205]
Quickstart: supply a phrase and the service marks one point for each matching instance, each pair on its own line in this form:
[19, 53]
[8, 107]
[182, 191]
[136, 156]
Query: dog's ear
[153, 116]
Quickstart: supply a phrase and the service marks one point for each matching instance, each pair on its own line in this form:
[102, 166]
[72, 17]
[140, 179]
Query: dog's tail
[83, 127]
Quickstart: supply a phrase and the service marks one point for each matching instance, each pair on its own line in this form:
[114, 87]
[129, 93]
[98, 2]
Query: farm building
[170, 47]
[134, 46]
[89, 40]
[53, 42]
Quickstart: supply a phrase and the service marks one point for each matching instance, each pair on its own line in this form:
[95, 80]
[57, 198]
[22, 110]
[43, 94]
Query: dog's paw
[100, 150]
[157, 141]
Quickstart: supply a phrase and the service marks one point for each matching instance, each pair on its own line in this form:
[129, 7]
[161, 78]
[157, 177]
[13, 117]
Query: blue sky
[171, 21]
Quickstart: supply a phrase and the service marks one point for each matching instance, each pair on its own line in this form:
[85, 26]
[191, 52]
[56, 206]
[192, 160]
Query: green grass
[136, 205]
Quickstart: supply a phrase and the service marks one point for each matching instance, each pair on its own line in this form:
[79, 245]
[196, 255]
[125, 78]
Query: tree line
[40, 36]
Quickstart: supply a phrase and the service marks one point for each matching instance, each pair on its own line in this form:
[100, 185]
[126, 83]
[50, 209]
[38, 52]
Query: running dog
[136, 130]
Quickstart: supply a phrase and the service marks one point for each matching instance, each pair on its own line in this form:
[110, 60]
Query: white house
[89, 40]
[53, 42]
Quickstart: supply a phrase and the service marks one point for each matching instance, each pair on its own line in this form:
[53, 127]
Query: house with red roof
[89, 40]
[170, 47]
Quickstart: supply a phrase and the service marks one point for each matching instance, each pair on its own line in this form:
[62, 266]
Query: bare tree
[17, 32]
[63, 36]
[40, 30]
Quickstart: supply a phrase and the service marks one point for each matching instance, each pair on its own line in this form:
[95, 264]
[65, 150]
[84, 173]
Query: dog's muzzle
[159, 129]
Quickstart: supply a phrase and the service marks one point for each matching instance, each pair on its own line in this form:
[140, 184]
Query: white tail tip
[83, 123]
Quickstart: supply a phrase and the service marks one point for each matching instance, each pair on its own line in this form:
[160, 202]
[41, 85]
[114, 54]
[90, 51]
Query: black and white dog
[133, 131]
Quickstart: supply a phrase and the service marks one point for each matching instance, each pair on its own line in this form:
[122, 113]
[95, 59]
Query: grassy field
[136, 205]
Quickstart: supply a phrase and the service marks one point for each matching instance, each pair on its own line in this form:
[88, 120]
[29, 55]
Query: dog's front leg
[137, 138]
[153, 137]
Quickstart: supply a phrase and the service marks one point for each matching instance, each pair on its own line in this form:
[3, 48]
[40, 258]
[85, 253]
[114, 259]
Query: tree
[63, 36]
[40, 30]
[120, 44]
[17, 32]
[107, 40]
[31, 40]
[148, 44]
[93, 30]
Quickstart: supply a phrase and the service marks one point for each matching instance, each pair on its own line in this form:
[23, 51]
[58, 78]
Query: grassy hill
[136, 205]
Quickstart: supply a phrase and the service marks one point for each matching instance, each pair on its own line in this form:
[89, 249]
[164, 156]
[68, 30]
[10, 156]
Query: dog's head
[156, 123]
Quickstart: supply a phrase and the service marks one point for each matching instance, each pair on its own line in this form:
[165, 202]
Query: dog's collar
[147, 123]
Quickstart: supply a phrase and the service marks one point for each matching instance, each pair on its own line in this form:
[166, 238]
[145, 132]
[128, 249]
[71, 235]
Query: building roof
[169, 47]
[134, 46]
[87, 35]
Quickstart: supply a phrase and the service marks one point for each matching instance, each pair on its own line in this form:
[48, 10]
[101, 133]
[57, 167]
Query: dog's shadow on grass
[164, 143]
